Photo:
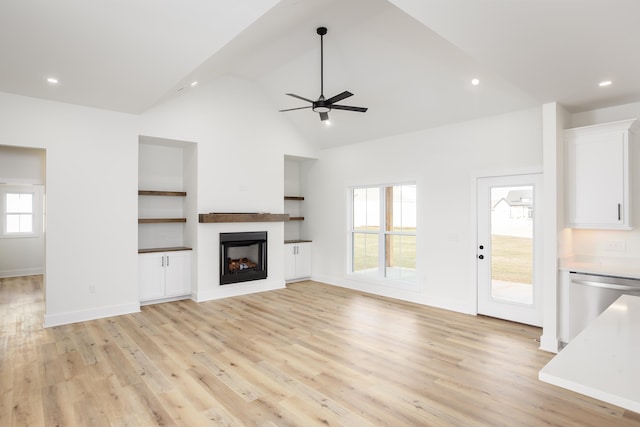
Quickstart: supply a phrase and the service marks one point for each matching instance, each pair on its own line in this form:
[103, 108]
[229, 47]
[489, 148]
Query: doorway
[22, 231]
[508, 248]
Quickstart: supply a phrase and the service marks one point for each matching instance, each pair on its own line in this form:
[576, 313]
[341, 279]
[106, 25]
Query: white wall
[442, 162]
[242, 141]
[91, 180]
[22, 166]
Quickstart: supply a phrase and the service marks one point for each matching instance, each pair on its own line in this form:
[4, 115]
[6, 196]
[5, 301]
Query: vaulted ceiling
[410, 62]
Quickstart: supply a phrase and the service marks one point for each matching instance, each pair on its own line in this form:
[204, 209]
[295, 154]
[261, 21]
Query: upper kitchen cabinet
[598, 175]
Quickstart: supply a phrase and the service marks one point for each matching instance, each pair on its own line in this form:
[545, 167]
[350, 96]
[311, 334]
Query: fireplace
[243, 257]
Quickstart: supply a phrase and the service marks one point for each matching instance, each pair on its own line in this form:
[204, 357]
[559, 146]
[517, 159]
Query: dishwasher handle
[617, 287]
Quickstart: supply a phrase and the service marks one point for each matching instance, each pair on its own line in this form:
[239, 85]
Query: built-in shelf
[243, 217]
[172, 249]
[160, 220]
[162, 193]
[295, 198]
[297, 241]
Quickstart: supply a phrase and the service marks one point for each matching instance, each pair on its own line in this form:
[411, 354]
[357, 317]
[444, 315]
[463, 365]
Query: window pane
[13, 223]
[19, 223]
[403, 214]
[365, 253]
[366, 209]
[26, 223]
[400, 259]
[512, 244]
[19, 203]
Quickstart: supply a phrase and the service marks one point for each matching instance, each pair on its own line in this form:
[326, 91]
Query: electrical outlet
[616, 245]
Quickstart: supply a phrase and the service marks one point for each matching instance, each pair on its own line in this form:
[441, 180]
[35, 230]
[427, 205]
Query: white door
[289, 261]
[177, 273]
[509, 248]
[151, 275]
[303, 260]
[597, 176]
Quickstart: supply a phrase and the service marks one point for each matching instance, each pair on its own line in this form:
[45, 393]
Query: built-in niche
[167, 173]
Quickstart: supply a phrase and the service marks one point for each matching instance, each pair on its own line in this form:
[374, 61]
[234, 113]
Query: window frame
[36, 192]
[382, 233]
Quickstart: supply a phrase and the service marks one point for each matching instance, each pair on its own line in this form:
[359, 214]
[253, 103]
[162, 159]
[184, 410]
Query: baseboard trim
[549, 343]
[22, 272]
[403, 295]
[51, 320]
[238, 289]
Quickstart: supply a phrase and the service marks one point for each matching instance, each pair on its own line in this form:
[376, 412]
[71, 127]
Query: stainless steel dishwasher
[591, 294]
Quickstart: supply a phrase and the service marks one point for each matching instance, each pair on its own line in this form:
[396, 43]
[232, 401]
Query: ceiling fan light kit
[322, 106]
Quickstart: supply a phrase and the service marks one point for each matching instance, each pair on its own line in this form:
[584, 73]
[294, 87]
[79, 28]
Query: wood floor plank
[310, 354]
[180, 408]
[221, 395]
[151, 406]
[120, 366]
[57, 406]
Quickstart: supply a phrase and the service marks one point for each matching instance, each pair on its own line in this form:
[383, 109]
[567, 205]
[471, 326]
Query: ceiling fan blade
[298, 108]
[339, 97]
[299, 97]
[324, 116]
[349, 108]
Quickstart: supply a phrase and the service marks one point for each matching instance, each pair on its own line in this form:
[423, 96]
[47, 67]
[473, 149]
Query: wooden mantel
[243, 217]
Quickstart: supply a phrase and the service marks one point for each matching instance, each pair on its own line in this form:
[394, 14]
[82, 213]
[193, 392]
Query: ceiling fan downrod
[321, 32]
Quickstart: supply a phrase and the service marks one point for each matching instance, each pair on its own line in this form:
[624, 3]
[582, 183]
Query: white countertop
[620, 267]
[603, 360]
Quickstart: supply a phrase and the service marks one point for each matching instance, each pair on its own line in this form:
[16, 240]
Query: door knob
[481, 256]
[481, 246]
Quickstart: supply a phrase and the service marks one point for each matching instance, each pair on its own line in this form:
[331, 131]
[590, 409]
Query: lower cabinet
[297, 261]
[164, 275]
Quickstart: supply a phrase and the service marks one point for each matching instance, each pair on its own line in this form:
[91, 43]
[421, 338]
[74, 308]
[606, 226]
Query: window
[383, 232]
[21, 210]
[19, 213]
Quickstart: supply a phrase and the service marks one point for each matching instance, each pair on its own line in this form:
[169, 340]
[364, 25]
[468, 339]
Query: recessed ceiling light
[52, 80]
[195, 83]
[605, 83]
[475, 82]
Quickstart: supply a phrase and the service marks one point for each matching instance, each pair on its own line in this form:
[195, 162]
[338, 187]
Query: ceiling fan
[322, 105]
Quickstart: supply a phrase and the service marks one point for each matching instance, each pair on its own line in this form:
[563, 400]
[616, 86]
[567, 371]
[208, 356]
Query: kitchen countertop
[619, 267]
[601, 361]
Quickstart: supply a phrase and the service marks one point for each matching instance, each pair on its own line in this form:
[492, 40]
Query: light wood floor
[311, 354]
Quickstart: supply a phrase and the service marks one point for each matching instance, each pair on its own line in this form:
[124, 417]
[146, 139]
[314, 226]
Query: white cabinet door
[177, 273]
[164, 275]
[297, 260]
[598, 176]
[151, 276]
[303, 260]
[289, 261]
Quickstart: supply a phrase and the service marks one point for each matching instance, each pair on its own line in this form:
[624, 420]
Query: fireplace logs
[240, 264]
